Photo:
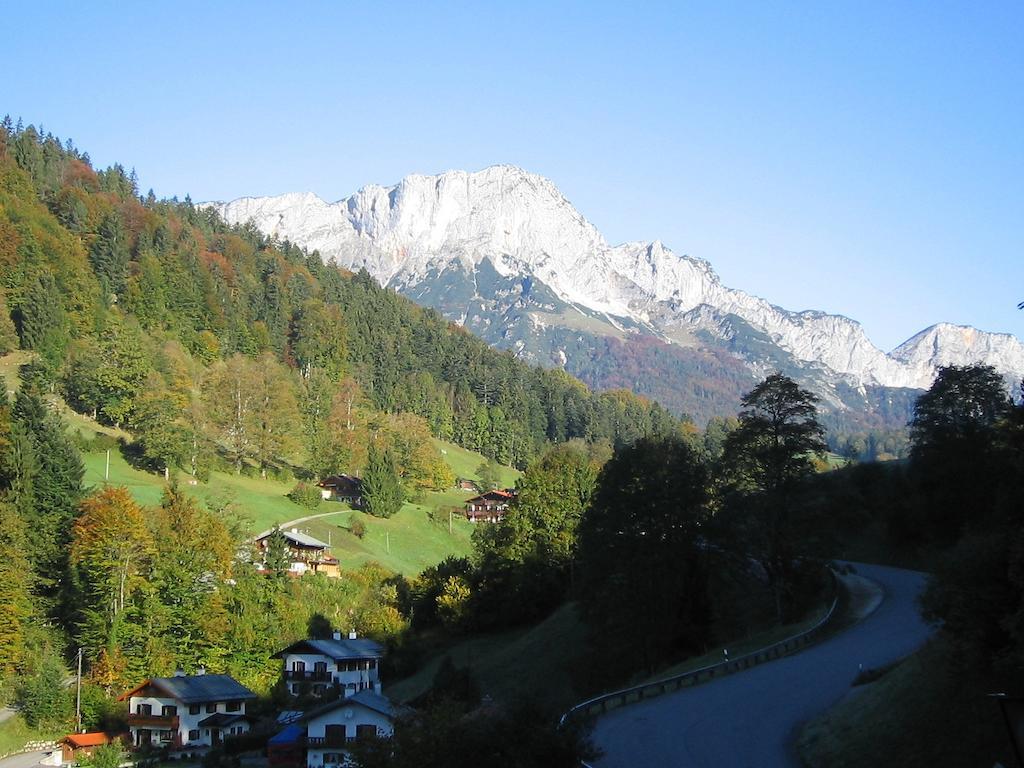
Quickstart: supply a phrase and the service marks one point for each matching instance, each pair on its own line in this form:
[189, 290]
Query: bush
[305, 495]
[357, 528]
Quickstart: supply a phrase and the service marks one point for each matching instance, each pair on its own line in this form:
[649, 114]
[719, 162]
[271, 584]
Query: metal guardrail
[608, 701]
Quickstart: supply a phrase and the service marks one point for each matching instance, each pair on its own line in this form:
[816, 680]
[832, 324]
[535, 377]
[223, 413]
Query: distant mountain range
[502, 252]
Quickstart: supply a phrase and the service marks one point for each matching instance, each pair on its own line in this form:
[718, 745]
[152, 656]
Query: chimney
[201, 671]
[337, 635]
[352, 634]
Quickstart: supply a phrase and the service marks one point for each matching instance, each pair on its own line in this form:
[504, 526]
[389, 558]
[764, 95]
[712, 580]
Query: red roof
[87, 739]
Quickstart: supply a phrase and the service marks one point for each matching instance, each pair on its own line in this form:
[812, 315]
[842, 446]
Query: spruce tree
[382, 489]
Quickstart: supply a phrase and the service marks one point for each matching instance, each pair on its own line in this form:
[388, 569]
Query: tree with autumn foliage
[193, 554]
[111, 553]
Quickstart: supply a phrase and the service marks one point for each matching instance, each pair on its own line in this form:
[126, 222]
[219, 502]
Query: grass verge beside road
[926, 711]
[15, 733]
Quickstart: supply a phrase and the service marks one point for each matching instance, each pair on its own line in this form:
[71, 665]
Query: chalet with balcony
[332, 728]
[306, 554]
[489, 507]
[347, 488]
[186, 712]
[339, 667]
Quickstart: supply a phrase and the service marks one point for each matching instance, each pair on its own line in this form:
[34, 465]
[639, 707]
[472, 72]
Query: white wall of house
[350, 716]
[188, 731]
[352, 681]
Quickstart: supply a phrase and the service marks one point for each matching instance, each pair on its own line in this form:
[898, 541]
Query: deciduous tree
[766, 459]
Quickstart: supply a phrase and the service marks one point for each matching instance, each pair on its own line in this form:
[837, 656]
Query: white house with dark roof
[332, 727]
[339, 666]
[187, 711]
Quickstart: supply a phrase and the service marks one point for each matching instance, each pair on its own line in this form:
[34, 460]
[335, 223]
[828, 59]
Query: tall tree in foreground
[382, 489]
[766, 460]
[643, 589]
[110, 552]
[954, 458]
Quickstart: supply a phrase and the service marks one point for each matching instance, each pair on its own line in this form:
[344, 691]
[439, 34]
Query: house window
[373, 663]
[320, 667]
[211, 707]
[169, 710]
[234, 706]
[193, 735]
[366, 732]
[144, 709]
[298, 666]
[194, 709]
[166, 735]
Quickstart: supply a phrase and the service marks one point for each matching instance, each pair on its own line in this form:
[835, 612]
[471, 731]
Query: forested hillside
[208, 349]
[137, 305]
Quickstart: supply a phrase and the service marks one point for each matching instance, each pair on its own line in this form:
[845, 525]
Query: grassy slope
[741, 646]
[925, 712]
[407, 543]
[465, 463]
[530, 662]
[15, 733]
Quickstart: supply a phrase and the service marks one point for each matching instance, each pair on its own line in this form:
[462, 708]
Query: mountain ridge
[427, 226]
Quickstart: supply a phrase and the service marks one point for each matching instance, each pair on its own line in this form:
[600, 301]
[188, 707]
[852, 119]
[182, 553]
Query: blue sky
[859, 158]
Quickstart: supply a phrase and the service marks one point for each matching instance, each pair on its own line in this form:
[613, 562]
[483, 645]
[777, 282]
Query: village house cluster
[188, 715]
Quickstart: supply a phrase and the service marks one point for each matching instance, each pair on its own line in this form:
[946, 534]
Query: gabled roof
[494, 495]
[196, 689]
[347, 481]
[302, 539]
[365, 698]
[88, 739]
[360, 648]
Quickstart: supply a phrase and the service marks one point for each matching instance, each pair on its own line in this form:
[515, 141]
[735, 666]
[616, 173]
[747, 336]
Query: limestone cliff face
[521, 225]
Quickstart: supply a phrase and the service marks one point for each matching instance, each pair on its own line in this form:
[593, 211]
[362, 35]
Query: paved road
[749, 719]
[27, 760]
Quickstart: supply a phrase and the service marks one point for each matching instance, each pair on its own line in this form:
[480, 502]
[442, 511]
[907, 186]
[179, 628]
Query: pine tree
[382, 489]
[42, 323]
[109, 254]
[276, 560]
[8, 333]
[16, 604]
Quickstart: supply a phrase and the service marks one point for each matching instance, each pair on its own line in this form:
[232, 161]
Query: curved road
[748, 720]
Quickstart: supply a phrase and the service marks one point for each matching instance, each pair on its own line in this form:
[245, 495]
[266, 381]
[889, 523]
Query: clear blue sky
[859, 158]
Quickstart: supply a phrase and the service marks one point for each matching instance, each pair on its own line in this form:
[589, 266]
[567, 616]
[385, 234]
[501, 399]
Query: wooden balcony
[165, 722]
[308, 675]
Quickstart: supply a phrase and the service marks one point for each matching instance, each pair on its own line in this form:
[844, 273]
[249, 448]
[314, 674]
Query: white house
[336, 667]
[330, 728]
[187, 711]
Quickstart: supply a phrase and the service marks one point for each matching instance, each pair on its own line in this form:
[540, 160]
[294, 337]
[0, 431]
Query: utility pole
[78, 692]
[449, 522]
[106, 470]
[387, 541]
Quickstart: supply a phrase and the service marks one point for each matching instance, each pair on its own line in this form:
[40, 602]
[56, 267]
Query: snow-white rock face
[523, 225]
